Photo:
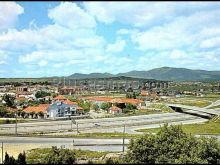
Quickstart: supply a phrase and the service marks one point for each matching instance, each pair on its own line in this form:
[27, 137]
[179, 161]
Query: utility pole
[77, 128]
[16, 126]
[64, 82]
[123, 149]
[2, 153]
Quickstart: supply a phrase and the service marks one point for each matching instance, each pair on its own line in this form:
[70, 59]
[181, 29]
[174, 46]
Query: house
[39, 111]
[115, 110]
[62, 107]
[59, 98]
[122, 102]
[27, 95]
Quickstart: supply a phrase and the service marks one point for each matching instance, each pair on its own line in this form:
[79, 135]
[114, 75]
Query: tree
[3, 111]
[9, 159]
[128, 95]
[130, 106]
[9, 100]
[134, 95]
[40, 94]
[21, 158]
[105, 106]
[95, 107]
[172, 145]
[86, 106]
[59, 156]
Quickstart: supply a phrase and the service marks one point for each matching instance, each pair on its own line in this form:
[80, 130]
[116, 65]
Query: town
[109, 82]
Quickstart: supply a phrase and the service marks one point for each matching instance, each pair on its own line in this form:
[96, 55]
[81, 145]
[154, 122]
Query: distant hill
[91, 75]
[163, 73]
[176, 74]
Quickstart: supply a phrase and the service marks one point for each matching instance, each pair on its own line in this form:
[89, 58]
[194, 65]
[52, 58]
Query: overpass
[196, 109]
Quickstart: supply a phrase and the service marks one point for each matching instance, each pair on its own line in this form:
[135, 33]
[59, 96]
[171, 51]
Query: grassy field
[189, 101]
[95, 135]
[211, 127]
[12, 121]
[194, 100]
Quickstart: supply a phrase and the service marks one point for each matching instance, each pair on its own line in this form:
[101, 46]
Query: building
[115, 110]
[62, 107]
[98, 100]
[39, 111]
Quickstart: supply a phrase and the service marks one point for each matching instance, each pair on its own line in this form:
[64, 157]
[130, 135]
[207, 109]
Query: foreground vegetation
[171, 145]
[211, 127]
[55, 155]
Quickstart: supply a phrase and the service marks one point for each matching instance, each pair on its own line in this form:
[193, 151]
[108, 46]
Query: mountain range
[163, 73]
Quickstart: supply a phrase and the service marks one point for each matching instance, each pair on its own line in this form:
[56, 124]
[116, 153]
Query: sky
[39, 39]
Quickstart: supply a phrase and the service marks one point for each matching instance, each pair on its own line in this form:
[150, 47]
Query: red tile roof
[59, 97]
[106, 99]
[69, 102]
[115, 108]
[36, 109]
[127, 100]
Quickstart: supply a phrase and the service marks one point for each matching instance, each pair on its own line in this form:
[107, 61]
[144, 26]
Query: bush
[172, 145]
[59, 156]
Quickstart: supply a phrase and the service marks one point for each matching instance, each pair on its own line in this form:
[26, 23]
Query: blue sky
[61, 38]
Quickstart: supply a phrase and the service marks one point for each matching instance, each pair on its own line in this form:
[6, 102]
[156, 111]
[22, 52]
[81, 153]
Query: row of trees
[11, 160]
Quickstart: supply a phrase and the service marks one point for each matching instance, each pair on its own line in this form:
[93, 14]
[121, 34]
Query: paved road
[216, 103]
[88, 125]
[27, 143]
[194, 108]
[77, 141]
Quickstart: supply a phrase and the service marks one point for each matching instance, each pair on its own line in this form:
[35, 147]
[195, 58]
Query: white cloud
[70, 15]
[116, 47]
[42, 63]
[210, 43]
[182, 32]
[9, 14]
[141, 14]
[177, 54]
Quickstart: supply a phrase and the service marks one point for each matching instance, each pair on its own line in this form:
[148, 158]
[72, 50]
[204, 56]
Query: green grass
[99, 135]
[191, 102]
[210, 127]
[8, 121]
[36, 156]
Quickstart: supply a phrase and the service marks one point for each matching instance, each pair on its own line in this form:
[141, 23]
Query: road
[197, 109]
[216, 103]
[103, 124]
[15, 145]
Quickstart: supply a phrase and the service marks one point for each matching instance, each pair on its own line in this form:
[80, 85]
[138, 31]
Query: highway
[198, 109]
[100, 125]
[216, 103]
